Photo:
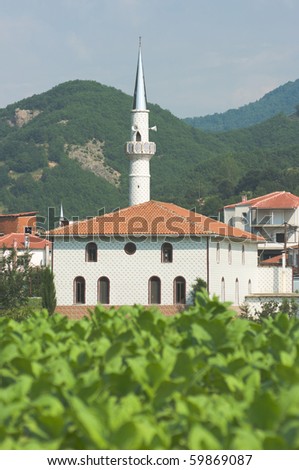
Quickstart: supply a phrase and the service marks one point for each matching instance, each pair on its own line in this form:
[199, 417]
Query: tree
[14, 279]
[48, 291]
[198, 286]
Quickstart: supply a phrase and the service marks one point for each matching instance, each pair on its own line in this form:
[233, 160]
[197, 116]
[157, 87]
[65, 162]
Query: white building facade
[152, 253]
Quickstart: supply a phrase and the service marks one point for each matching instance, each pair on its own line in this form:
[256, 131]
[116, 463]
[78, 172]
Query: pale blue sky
[200, 56]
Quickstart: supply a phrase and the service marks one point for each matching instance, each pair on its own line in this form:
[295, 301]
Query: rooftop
[153, 218]
[275, 200]
[19, 214]
[17, 241]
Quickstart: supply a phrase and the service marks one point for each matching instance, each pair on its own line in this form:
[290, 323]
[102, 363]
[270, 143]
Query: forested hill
[283, 99]
[67, 145]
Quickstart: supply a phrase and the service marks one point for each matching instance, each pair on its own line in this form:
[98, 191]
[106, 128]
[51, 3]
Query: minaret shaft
[139, 150]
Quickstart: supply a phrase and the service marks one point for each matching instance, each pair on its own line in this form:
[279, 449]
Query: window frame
[130, 248]
[100, 290]
[150, 290]
[91, 252]
[79, 297]
[166, 252]
[230, 253]
[222, 297]
[218, 253]
[176, 281]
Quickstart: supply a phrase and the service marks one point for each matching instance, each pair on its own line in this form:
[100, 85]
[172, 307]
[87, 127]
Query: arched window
[222, 290]
[249, 287]
[166, 253]
[91, 252]
[179, 290]
[104, 290]
[237, 291]
[154, 290]
[79, 290]
[138, 136]
[229, 253]
[243, 254]
[218, 253]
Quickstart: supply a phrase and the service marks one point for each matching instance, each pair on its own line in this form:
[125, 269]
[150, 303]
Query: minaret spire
[139, 91]
[139, 150]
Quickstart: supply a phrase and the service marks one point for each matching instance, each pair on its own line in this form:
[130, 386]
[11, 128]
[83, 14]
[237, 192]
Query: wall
[274, 279]
[128, 274]
[240, 273]
[39, 258]
[256, 302]
[16, 224]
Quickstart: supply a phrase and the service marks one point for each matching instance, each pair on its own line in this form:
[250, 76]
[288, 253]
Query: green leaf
[90, 422]
[201, 438]
[247, 439]
[264, 412]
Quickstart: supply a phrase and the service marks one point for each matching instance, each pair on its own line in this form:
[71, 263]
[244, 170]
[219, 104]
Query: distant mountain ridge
[67, 145]
[283, 99]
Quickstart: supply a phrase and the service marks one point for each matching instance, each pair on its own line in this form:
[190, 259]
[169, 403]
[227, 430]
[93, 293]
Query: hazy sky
[200, 56]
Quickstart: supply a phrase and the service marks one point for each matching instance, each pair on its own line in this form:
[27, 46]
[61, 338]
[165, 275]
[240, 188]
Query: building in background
[274, 216]
[19, 232]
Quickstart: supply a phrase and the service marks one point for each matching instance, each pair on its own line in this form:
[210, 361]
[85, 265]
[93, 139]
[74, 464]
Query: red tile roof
[275, 260]
[17, 241]
[276, 200]
[153, 218]
[20, 214]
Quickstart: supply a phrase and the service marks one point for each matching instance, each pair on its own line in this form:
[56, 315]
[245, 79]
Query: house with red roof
[274, 216]
[152, 252]
[22, 222]
[18, 232]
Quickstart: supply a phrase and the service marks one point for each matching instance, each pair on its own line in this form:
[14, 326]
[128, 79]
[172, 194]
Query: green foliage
[270, 309]
[134, 379]
[192, 168]
[197, 287]
[14, 274]
[21, 286]
[48, 291]
[280, 100]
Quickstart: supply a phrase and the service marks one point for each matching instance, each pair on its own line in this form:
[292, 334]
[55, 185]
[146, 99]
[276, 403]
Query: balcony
[140, 148]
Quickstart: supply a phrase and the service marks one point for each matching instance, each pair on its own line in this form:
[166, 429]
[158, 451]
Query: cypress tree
[48, 291]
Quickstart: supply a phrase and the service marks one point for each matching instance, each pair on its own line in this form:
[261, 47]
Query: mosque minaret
[139, 150]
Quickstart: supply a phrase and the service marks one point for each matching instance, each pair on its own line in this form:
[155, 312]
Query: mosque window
[166, 253]
[130, 248]
[79, 290]
[229, 253]
[104, 290]
[154, 290]
[179, 290]
[91, 252]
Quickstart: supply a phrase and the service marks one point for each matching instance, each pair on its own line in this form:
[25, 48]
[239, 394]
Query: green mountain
[67, 145]
[281, 100]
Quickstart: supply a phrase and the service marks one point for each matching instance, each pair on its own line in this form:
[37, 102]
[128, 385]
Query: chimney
[244, 197]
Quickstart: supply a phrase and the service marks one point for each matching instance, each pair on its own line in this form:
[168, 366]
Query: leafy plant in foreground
[131, 378]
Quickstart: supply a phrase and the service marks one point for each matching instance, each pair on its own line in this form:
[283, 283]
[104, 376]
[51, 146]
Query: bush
[131, 378]
[270, 309]
[197, 287]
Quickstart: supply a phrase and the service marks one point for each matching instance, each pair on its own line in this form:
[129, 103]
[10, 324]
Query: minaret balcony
[140, 148]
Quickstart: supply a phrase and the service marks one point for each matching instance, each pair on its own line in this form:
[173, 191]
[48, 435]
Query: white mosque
[152, 252]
